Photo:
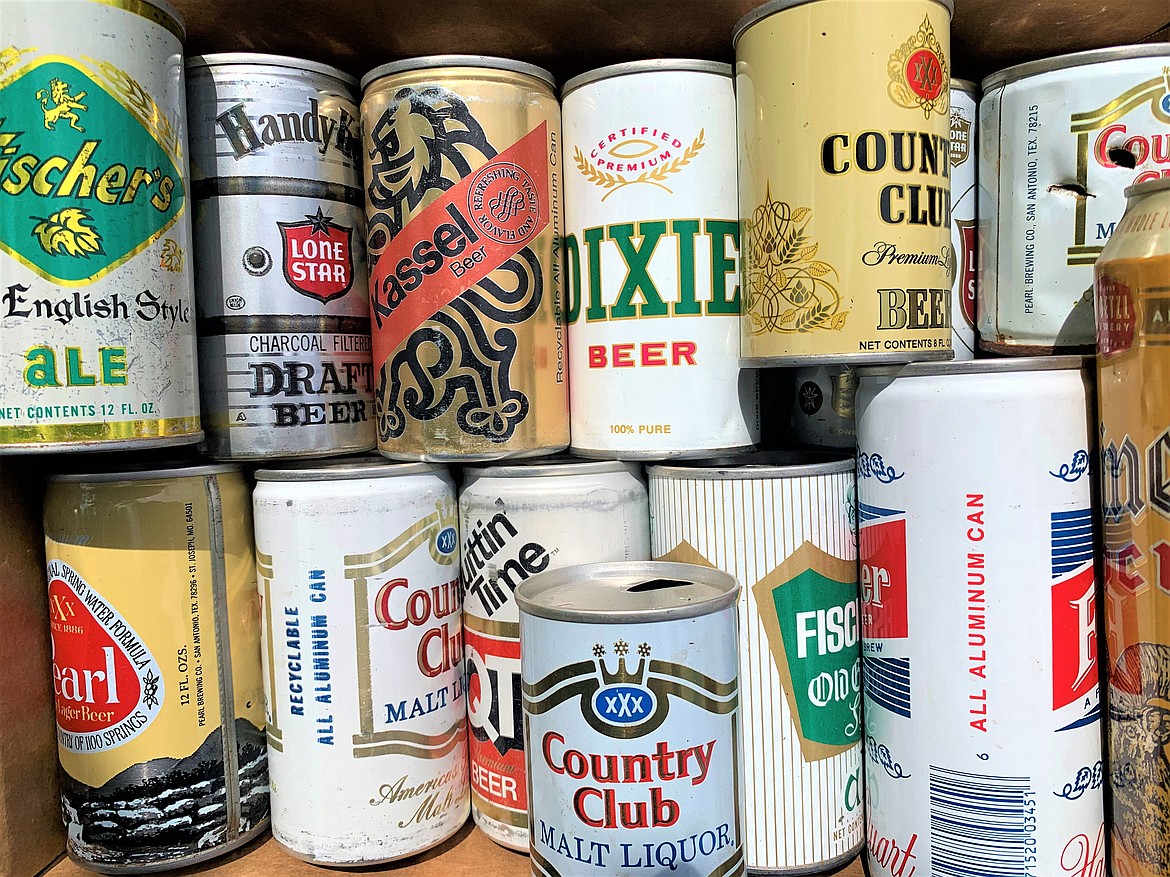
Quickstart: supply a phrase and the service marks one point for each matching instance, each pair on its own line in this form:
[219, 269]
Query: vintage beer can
[284, 323]
[363, 656]
[516, 521]
[822, 411]
[632, 720]
[155, 626]
[964, 201]
[844, 181]
[1059, 141]
[462, 159]
[651, 249]
[96, 312]
[784, 526]
[1133, 312]
[979, 627]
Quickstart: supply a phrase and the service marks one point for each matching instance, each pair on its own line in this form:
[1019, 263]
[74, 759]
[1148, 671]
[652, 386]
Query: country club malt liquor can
[964, 201]
[845, 225]
[155, 627]
[96, 307]
[1059, 141]
[518, 520]
[784, 526]
[363, 658]
[652, 263]
[1133, 312]
[462, 159]
[979, 628]
[822, 409]
[632, 720]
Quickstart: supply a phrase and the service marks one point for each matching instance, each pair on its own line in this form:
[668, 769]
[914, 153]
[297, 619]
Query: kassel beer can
[964, 201]
[979, 623]
[156, 666]
[516, 521]
[462, 159]
[96, 309]
[651, 249]
[1059, 141]
[822, 408]
[844, 181]
[632, 719]
[784, 526]
[358, 565]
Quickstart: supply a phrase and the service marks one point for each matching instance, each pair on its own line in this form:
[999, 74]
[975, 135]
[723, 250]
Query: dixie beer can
[964, 201]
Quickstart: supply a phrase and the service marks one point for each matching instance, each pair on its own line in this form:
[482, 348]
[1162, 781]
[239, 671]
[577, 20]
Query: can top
[162, 13]
[1076, 59]
[769, 464]
[772, 6]
[541, 467]
[651, 65]
[147, 472]
[965, 85]
[427, 62]
[976, 366]
[1140, 190]
[258, 59]
[345, 469]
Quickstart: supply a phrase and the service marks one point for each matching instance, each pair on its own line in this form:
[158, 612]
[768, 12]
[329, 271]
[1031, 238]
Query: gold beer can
[844, 181]
[463, 207]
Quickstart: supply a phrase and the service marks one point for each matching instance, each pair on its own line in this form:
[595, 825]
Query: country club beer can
[155, 626]
[1133, 313]
[964, 200]
[979, 624]
[284, 325]
[518, 520]
[822, 409]
[462, 159]
[784, 526]
[363, 658]
[651, 249]
[96, 308]
[844, 181]
[632, 719]
[1059, 141]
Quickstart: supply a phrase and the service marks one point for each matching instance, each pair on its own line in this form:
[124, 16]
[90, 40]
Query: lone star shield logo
[317, 256]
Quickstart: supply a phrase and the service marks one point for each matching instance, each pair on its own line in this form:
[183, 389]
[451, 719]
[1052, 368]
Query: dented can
[822, 408]
[964, 204]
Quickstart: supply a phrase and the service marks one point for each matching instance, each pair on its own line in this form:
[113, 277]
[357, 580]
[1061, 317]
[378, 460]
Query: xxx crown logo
[919, 75]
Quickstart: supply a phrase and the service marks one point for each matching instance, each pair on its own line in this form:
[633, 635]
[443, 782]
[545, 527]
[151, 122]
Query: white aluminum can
[632, 720]
[979, 620]
[1059, 142]
[964, 197]
[358, 568]
[652, 255]
[784, 526]
[822, 406]
[517, 520]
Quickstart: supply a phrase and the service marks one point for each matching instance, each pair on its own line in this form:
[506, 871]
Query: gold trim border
[56, 433]
[161, 16]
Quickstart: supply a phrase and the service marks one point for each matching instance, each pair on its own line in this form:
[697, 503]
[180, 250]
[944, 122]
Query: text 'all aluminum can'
[964, 204]
[979, 645]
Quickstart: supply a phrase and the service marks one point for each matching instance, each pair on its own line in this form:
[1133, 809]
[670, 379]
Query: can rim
[1140, 190]
[965, 85]
[543, 468]
[223, 59]
[425, 62]
[648, 65]
[162, 6]
[715, 469]
[151, 472]
[1075, 59]
[978, 366]
[342, 469]
[764, 10]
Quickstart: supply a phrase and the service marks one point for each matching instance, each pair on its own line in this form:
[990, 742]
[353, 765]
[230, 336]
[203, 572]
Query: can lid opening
[656, 585]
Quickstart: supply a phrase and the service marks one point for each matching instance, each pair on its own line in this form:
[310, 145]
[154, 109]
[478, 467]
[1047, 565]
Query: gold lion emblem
[64, 105]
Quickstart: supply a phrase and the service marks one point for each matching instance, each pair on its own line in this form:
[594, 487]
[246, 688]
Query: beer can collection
[358, 565]
[651, 250]
[982, 710]
[964, 206]
[783, 525]
[632, 719]
[822, 409]
[516, 521]
[96, 311]
[156, 665]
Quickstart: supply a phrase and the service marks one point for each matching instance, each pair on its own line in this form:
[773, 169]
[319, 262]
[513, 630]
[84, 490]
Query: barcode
[979, 824]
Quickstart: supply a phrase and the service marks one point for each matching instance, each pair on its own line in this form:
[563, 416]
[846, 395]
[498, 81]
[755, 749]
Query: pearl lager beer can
[979, 622]
[651, 248]
[363, 656]
[964, 198]
[156, 666]
[96, 310]
[822, 412]
[844, 181]
[462, 159]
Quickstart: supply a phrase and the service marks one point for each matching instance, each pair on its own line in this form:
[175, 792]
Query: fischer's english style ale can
[964, 204]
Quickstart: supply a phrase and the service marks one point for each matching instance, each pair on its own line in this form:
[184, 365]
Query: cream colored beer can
[964, 203]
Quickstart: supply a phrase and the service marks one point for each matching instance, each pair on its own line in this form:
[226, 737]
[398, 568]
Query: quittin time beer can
[784, 526]
[1133, 316]
[96, 311]
[844, 181]
[979, 622]
[964, 204]
[517, 521]
[363, 658]
[632, 719]
[463, 208]
[284, 323]
[156, 666]
[651, 248]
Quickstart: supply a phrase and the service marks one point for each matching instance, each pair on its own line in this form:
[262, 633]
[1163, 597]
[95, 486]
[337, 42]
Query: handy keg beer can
[964, 204]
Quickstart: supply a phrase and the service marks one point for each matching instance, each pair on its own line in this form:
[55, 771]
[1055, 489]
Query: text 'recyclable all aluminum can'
[784, 525]
[651, 249]
[156, 666]
[822, 407]
[96, 313]
[358, 564]
[632, 720]
[1059, 141]
[964, 204]
[462, 158]
[284, 323]
[845, 190]
[516, 521]
[979, 627]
